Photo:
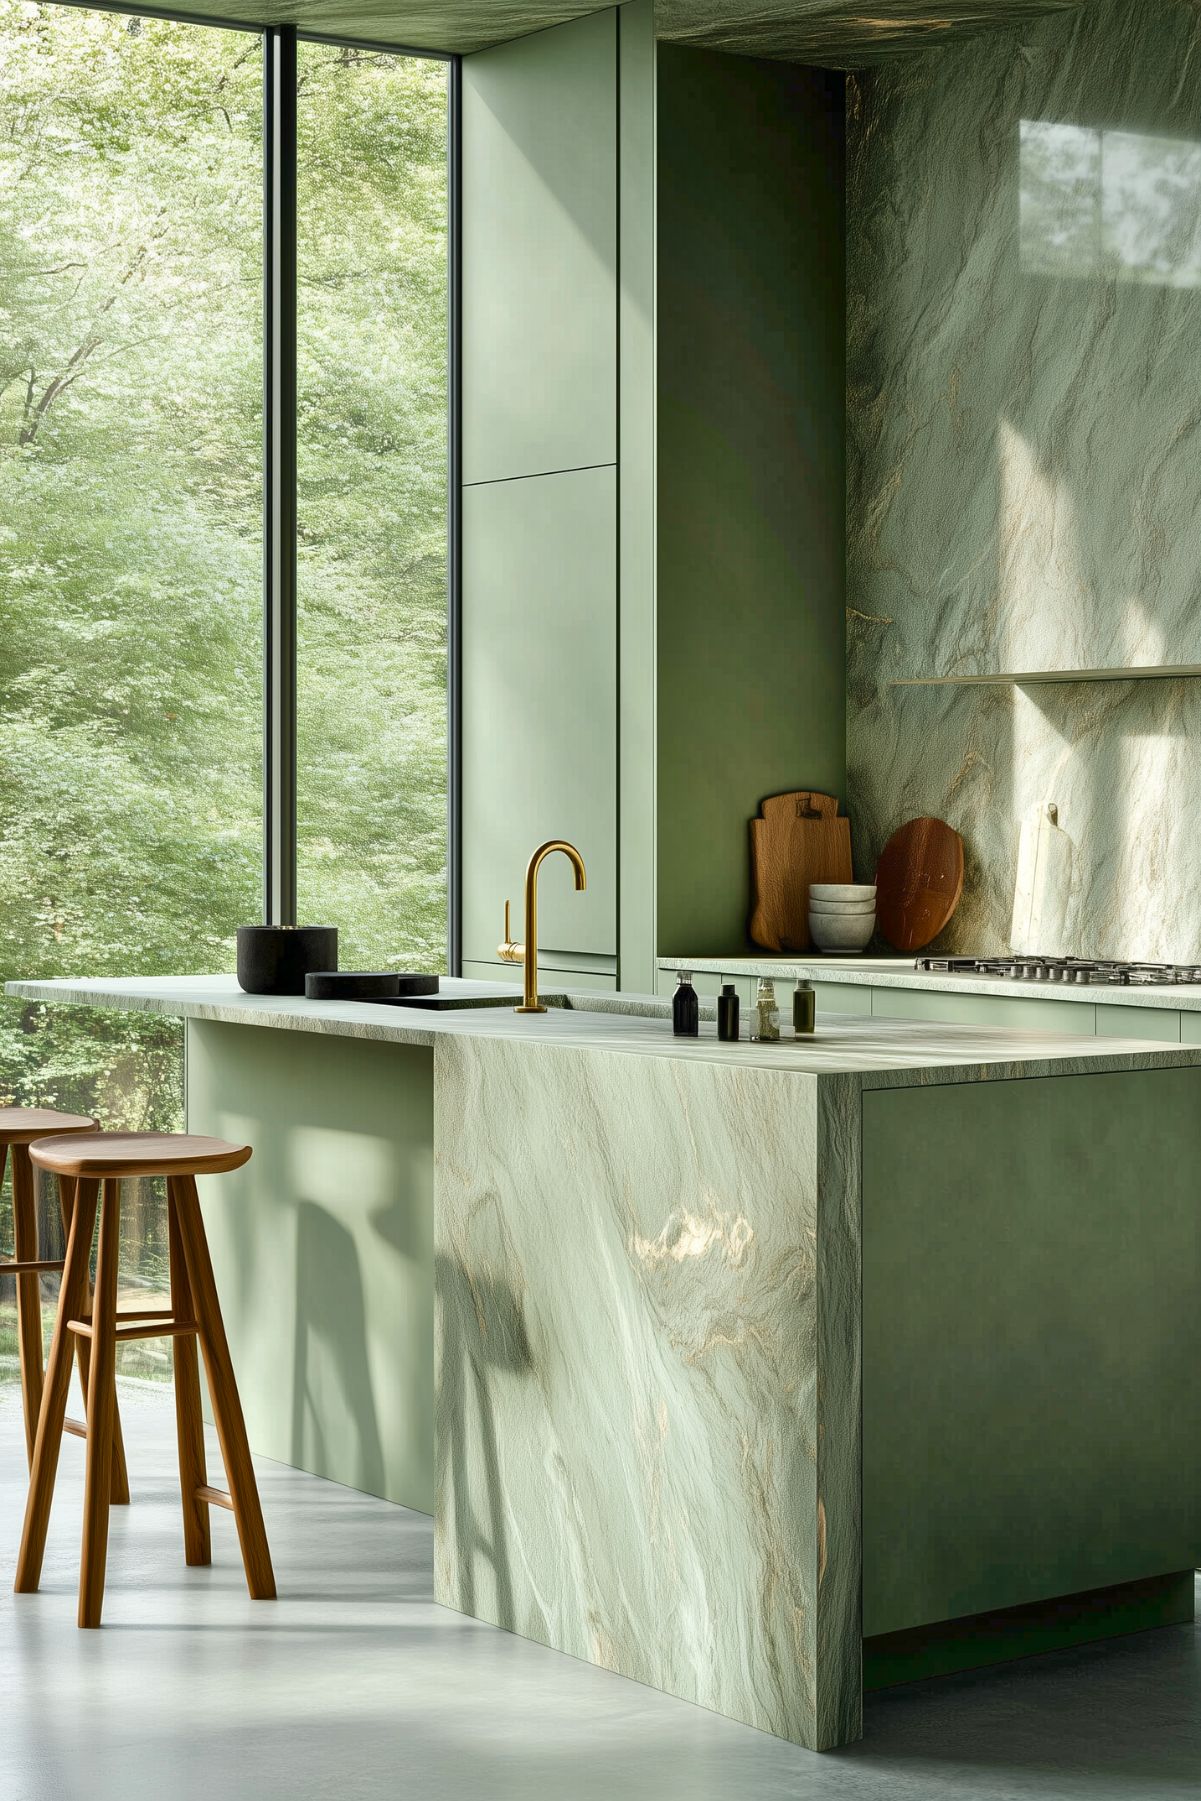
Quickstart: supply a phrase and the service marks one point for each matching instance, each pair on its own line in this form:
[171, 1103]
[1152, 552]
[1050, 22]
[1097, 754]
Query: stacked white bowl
[842, 915]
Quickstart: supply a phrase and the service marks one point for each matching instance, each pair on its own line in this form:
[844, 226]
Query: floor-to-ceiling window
[131, 533]
[130, 543]
[372, 469]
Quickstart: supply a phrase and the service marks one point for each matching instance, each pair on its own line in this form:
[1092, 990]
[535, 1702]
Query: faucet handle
[508, 952]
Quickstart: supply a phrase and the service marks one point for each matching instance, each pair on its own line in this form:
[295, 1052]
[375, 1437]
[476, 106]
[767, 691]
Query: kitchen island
[750, 1371]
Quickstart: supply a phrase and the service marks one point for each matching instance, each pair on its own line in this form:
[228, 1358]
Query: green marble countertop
[898, 972]
[883, 1052]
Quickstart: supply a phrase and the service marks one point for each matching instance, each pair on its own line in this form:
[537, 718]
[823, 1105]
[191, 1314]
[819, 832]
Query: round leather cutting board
[919, 879]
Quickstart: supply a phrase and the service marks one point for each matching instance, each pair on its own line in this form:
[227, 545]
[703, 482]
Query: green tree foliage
[372, 475]
[131, 521]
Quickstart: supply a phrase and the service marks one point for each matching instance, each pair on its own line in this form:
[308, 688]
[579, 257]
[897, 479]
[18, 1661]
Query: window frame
[279, 471]
[279, 595]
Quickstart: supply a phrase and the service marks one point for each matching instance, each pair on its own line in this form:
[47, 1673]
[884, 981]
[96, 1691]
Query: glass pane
[130, 550]
[372, 259]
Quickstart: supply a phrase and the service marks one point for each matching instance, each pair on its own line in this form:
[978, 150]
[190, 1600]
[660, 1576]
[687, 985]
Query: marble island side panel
[647, 1277]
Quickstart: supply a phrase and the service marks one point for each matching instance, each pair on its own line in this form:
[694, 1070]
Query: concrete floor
[355, 1685]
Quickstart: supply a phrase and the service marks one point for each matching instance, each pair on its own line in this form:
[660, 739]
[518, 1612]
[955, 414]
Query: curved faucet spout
[531, 1003]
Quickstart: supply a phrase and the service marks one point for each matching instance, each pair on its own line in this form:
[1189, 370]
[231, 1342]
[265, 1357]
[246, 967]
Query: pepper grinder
[765, 1014]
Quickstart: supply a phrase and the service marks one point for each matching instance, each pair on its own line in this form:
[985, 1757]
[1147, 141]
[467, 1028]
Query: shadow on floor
[1114, 1720]
[318, 1695]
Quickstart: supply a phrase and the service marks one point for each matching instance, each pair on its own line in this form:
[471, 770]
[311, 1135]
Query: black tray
[381, 987]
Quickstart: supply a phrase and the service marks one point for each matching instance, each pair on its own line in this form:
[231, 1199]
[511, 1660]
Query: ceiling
[835, 33]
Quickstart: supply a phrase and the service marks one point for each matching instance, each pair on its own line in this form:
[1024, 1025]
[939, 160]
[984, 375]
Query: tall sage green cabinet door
[540, 705]
[539, 501]
[539, 239]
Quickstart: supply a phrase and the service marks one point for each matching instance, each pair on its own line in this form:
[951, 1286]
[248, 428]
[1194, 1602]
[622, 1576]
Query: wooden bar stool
[109, 1157]
[19, 1127]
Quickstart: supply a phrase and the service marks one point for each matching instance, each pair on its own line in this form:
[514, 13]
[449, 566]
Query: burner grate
[1067, 971]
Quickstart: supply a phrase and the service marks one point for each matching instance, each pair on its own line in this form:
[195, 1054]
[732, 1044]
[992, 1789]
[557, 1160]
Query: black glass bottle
[727, 1014]
[685, 1008]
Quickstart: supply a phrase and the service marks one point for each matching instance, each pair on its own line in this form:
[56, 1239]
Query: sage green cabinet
[750, 514]
[1017, 1013]
[539, 172]
[652, 258]
[539, 500]
[539, 684]
[1160, 1024]
[550, 979]
[1031, 1414]
[841, 997]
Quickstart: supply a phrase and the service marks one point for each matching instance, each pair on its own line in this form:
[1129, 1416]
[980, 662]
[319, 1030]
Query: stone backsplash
[1024, 480]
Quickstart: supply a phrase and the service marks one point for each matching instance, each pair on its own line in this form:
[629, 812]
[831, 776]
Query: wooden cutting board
[1043, 886]
[798, 839]
[919, 879]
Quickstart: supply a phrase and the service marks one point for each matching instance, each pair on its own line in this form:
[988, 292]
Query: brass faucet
[527, 953]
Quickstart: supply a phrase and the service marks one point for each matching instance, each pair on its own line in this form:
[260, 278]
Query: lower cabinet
[1019, 1013]
[841, 997]
[550, 979]
[1162, 1025]
[1033, 1013]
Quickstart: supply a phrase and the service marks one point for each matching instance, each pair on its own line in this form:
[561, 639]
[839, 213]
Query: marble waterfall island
[752, 1372]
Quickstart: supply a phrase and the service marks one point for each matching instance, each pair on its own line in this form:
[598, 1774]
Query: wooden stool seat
[20, 1127]
[97, 1328]
[114, 1154]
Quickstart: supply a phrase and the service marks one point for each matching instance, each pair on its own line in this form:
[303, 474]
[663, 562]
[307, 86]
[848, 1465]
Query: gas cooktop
[1072, 970]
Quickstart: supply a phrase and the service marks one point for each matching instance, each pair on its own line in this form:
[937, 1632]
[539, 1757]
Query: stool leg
[119, 1493]
[223, 1392]
[29, 1292]
[102, 1395]
[54, 1400]
[189, 1420]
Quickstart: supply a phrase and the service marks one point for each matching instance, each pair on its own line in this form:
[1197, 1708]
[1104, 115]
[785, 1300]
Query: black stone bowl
[276, 959]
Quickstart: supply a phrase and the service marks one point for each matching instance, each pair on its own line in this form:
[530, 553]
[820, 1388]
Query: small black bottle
[685, 1008]
[804, 1009]
[727, 1013]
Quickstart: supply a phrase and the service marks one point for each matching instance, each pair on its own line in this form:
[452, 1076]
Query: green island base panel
[322, 1247]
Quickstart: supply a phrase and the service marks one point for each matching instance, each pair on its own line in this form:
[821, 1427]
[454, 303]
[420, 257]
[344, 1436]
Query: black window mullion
[279, 421]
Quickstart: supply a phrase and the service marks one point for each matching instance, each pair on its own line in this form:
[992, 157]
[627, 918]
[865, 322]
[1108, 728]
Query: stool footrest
[216, 1497]
[27, 1265]
[159, 1327]
[76, 1428]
